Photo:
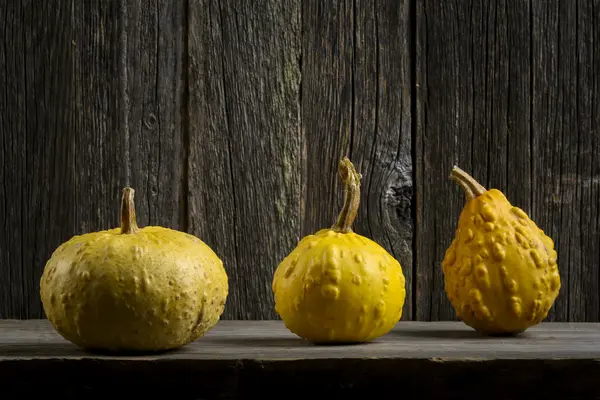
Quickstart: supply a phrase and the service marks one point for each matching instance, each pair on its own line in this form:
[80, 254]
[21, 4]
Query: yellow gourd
[500, 271]
[337, 286]
[133, 290]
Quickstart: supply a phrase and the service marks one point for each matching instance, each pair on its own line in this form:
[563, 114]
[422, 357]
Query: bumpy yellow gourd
[500, 271]
[337, 286]
[133, 290]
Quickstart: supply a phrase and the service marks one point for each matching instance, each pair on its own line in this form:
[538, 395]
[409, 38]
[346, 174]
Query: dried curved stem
[128, 221]
[471, 187]
[351, 181]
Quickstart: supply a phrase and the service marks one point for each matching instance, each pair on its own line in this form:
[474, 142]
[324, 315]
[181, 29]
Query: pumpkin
[500, 271]
[337, 286]
[132, 289]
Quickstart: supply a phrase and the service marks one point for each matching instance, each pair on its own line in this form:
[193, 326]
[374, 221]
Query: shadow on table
[276, 342]
[450, 334]
[41, 350]
[54, 350]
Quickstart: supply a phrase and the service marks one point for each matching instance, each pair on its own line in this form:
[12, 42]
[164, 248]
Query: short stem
[471, 187]
[128, 222]
[351, 181]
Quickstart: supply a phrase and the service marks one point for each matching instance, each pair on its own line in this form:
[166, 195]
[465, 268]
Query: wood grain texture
[153, 48]
[506, 91]
[326, 108]
[84, 113]
[211, 201]
[566, 148]
[229, 119]
[473, 108]
[271, 340]
[248, 93]
[382, 134]
[356, 101]
[60, 88]
[242, 359]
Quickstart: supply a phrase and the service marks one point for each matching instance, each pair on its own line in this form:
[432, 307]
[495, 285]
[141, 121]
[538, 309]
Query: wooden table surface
[243, 358]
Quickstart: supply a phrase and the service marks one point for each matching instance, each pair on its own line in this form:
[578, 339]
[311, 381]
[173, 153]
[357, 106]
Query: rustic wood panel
[327, 106]
[566, 147]
[584, 262]
[244, 114]
[229, 119]
[211, 206]
[152, 48]
[506, 91]
[243, 359]
[356, 101]
[83, 113]
[382, 135]
[59, 83]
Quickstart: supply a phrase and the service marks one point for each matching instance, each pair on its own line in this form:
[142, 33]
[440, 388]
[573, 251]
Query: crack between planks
[376, 127]
[35, 208]
[425, 124]
[24, 311]
[142, 122]
[485, 14]
[577, 160]
[456, 151]
[532, 208]
[51, 163]
[413, 126]
[472, 85]
[433, 268]
[560, 164]
[4, 146]
[185, 121]
[229, 147]
[569, 269]
[157, 101]
[489, 142]
[550, 132]
[4, 155]
[508, 103]
[596, 147]
[123, 82]
[302, 149]
[457, 111]
[353, 104]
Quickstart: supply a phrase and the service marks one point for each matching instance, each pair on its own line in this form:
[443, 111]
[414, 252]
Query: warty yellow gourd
[500, 271]
[133, 290]
[337, 286]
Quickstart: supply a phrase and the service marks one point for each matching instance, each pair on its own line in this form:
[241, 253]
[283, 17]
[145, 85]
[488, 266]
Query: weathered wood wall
[229, 118]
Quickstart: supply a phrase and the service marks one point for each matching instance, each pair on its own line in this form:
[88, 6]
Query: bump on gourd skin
[500, 271]
[339, 287]
[154, 290]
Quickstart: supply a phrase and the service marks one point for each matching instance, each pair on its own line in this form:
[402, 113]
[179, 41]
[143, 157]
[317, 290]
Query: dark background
[229, 119]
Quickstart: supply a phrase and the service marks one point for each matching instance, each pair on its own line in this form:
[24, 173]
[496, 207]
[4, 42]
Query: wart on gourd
[337, 286]
[133, 289]
[500, 271]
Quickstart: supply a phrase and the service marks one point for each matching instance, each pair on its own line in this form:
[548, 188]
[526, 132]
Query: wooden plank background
[229, 118]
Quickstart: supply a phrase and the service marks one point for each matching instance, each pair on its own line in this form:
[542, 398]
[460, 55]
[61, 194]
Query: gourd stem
[471, 187]
[128, 221]
[351, 180]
